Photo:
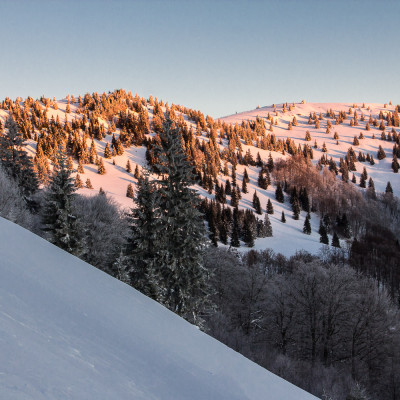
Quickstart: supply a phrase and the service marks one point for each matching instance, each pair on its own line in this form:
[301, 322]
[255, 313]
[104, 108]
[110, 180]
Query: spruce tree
[283, 218]
[107, 151]
[234, 198]
[235, 241]
[267, 226]
[270, 207]
[144, 240]
[101, 168]
[128, 166]
[15, 160]
[58, 217]
[323, 233]
[78, 182]
[89, 184]
[248, 234]
[257, 203]
[335, 240]
[129, 191]
[279, 193]
[183, 279]
[244, 185]
[307, 225]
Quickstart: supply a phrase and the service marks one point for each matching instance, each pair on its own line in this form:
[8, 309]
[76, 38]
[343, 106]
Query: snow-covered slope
[69, 331]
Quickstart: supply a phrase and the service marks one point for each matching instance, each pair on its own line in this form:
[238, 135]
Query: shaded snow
[69, 331]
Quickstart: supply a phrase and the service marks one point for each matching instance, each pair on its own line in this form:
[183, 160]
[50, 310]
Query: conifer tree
[89, 184]
[323, 234]
[389, 188]
[101, 168]
[107, 151]
[136, 174]
[296, 208]
[279, 193]
[270, 207]
[244, 185]
[234, 198]
[80, 168]
[58, 217]
[283, 218]
[267, 226]
[248, 234]
[128, 166]
[257, 203]
[144, 240]
[129, 191]
[235, 242]
[78, 182]
[15, 160]
[335, 240]
[177, 258]
[307, 225]
[381, 153]
[395, 164]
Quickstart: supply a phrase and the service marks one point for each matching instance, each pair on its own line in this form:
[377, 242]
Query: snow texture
[69, 331]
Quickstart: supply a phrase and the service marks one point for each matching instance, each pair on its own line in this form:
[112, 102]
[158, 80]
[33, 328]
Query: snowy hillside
[69, 331]
[381, 171]
[287, 238]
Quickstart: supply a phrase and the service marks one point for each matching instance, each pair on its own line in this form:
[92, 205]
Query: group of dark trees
[316, 322]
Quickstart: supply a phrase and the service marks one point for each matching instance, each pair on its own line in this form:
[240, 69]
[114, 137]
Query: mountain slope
[233, 135]
[69, 331]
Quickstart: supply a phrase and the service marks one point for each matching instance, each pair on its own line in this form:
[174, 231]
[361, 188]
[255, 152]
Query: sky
[218, 56]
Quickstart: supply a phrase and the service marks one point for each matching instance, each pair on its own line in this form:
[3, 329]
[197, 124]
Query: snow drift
[69, 331]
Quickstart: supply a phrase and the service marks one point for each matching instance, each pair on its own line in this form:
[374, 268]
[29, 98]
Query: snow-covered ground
[69, 331]
[288, 238]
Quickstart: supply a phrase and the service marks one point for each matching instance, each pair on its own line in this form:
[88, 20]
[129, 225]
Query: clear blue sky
[217, 56]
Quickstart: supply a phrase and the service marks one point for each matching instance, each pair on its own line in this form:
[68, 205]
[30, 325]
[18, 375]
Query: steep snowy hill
[69, 331]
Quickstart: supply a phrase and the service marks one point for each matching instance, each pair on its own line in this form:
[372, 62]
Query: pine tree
[270, 207]
[248, 234]
[57, 216]
[80, 168]
[128, 167]
[307, 225]
[101, 168]
[15, 160]
[323, 234]
[279, 193]
[144, 240]
[335, 240]
[235, 242]
[136, 174]
[78, 182]
[389, 188]
[267, 226]
[244, 185]
[129, 191]
[234, 198]
[283, 218]
[257, 203]
[178, 256]
[89, 184]
[381, 153]
[107, 151]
